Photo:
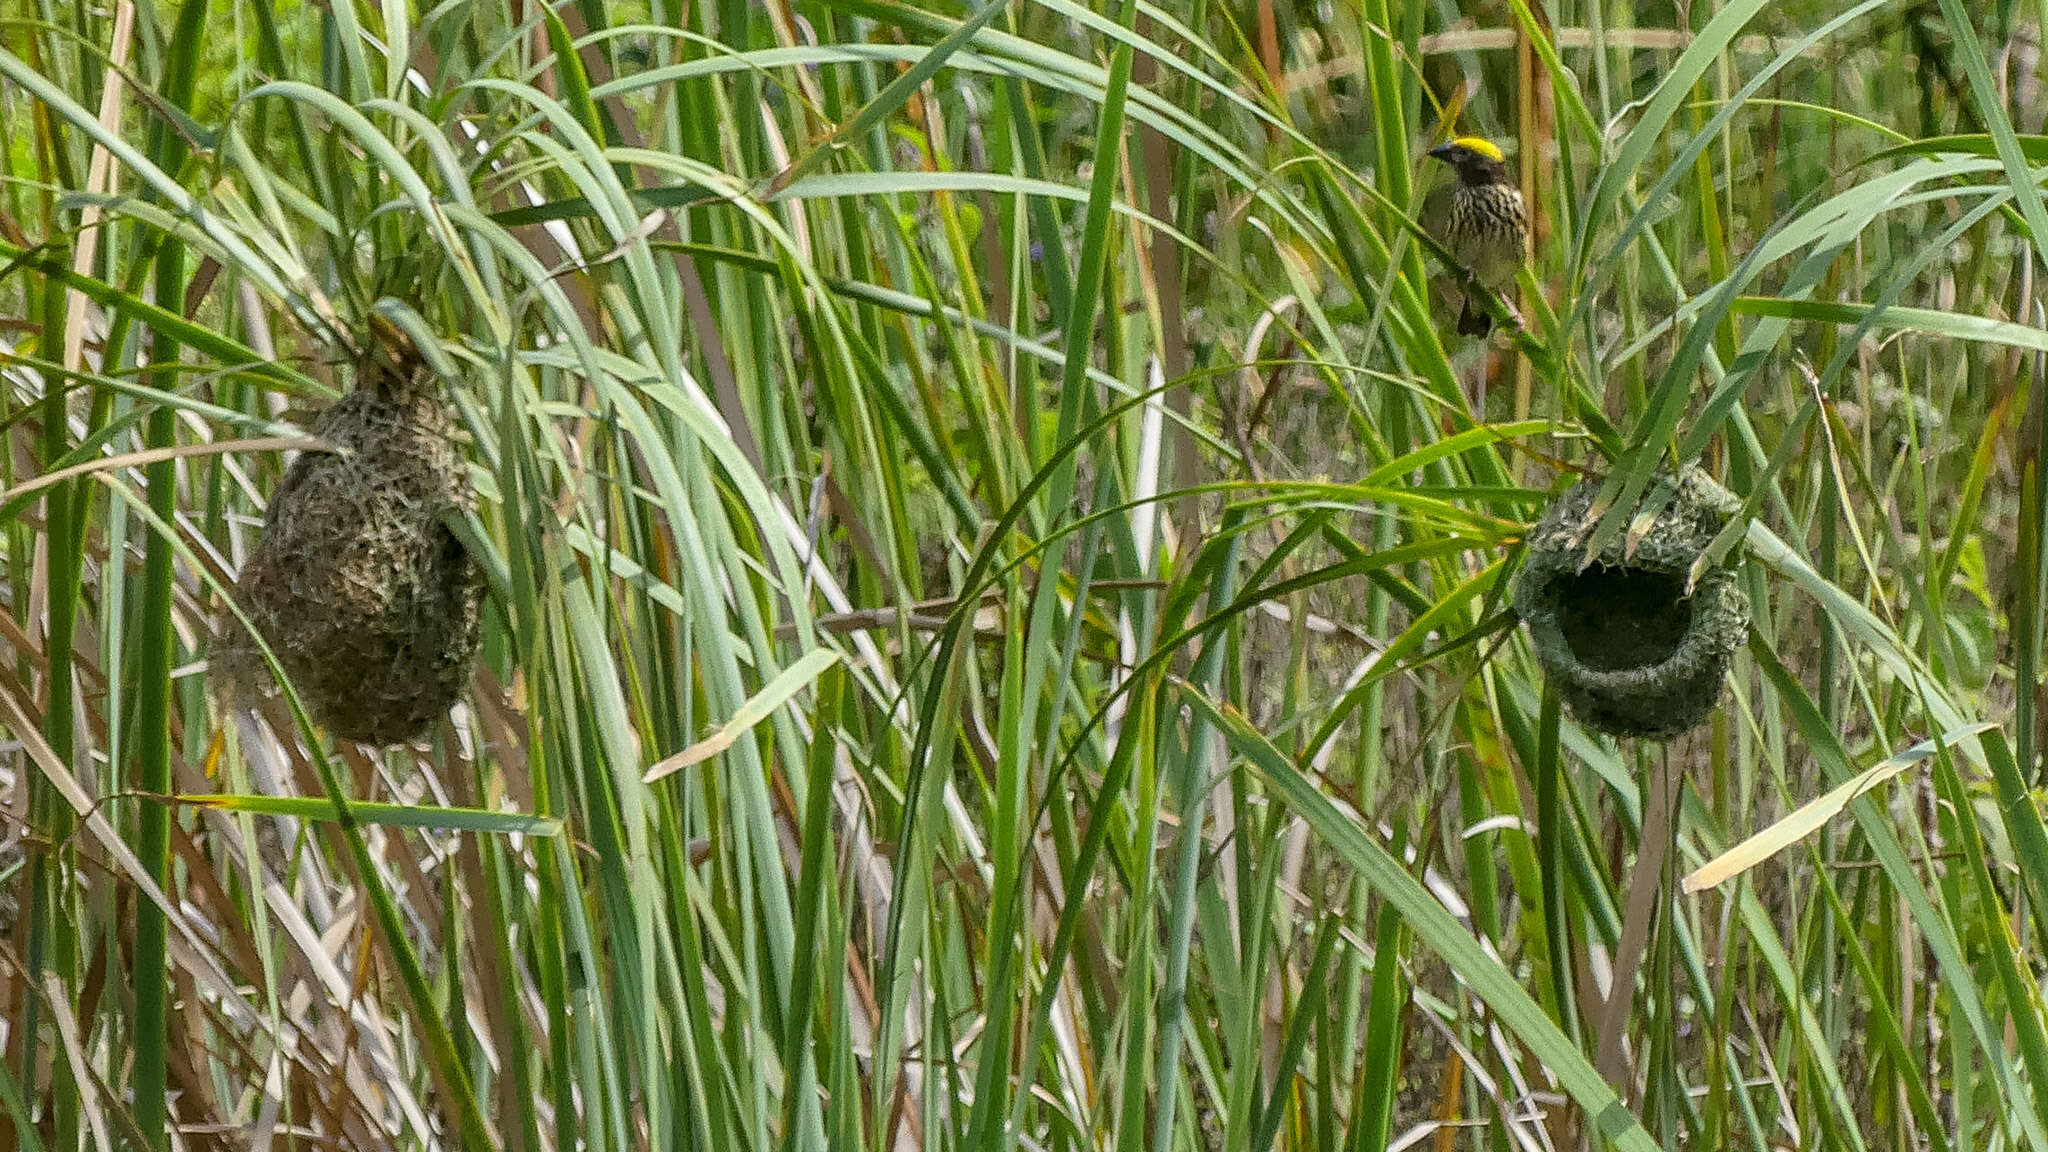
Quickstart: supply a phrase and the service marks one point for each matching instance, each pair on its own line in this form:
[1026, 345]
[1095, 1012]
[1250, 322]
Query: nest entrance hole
[1620, 617]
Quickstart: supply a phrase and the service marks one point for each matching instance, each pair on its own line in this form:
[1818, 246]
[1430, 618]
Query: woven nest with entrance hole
[369, 601]
[1631, 649]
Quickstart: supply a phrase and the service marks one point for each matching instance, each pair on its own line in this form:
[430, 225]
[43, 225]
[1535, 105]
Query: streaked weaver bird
[1480, 220]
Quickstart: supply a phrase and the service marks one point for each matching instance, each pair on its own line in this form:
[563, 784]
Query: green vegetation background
[1000, 468]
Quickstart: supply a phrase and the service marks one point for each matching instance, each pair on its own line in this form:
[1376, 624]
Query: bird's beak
[1443, 151]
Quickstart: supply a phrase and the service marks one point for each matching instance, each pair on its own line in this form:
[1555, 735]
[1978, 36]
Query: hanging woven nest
[367, 598]
[1629, 647]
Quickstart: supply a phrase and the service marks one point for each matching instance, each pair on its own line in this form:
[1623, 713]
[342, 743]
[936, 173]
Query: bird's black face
[1472, 166]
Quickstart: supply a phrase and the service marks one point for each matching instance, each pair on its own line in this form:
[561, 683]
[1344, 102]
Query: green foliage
[999, 630]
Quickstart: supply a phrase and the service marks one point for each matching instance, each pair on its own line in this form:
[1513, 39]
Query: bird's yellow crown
[1480, 145]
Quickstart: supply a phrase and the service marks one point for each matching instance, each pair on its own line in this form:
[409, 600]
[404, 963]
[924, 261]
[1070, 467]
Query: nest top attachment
[1629, 648]
[367, 598]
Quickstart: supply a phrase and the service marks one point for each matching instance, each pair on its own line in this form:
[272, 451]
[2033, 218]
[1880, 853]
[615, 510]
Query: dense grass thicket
[999, 630]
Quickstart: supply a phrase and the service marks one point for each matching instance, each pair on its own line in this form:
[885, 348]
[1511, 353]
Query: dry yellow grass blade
[152, 455]
[791, 681]
[1818, 811]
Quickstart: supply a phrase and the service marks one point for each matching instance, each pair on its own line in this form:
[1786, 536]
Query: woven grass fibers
[1630, 649]
[368, 600]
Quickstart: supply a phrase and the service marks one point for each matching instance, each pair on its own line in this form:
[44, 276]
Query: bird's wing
[1495, 265]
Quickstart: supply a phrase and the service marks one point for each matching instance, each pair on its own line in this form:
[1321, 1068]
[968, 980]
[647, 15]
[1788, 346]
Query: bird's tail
[1474, 321]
